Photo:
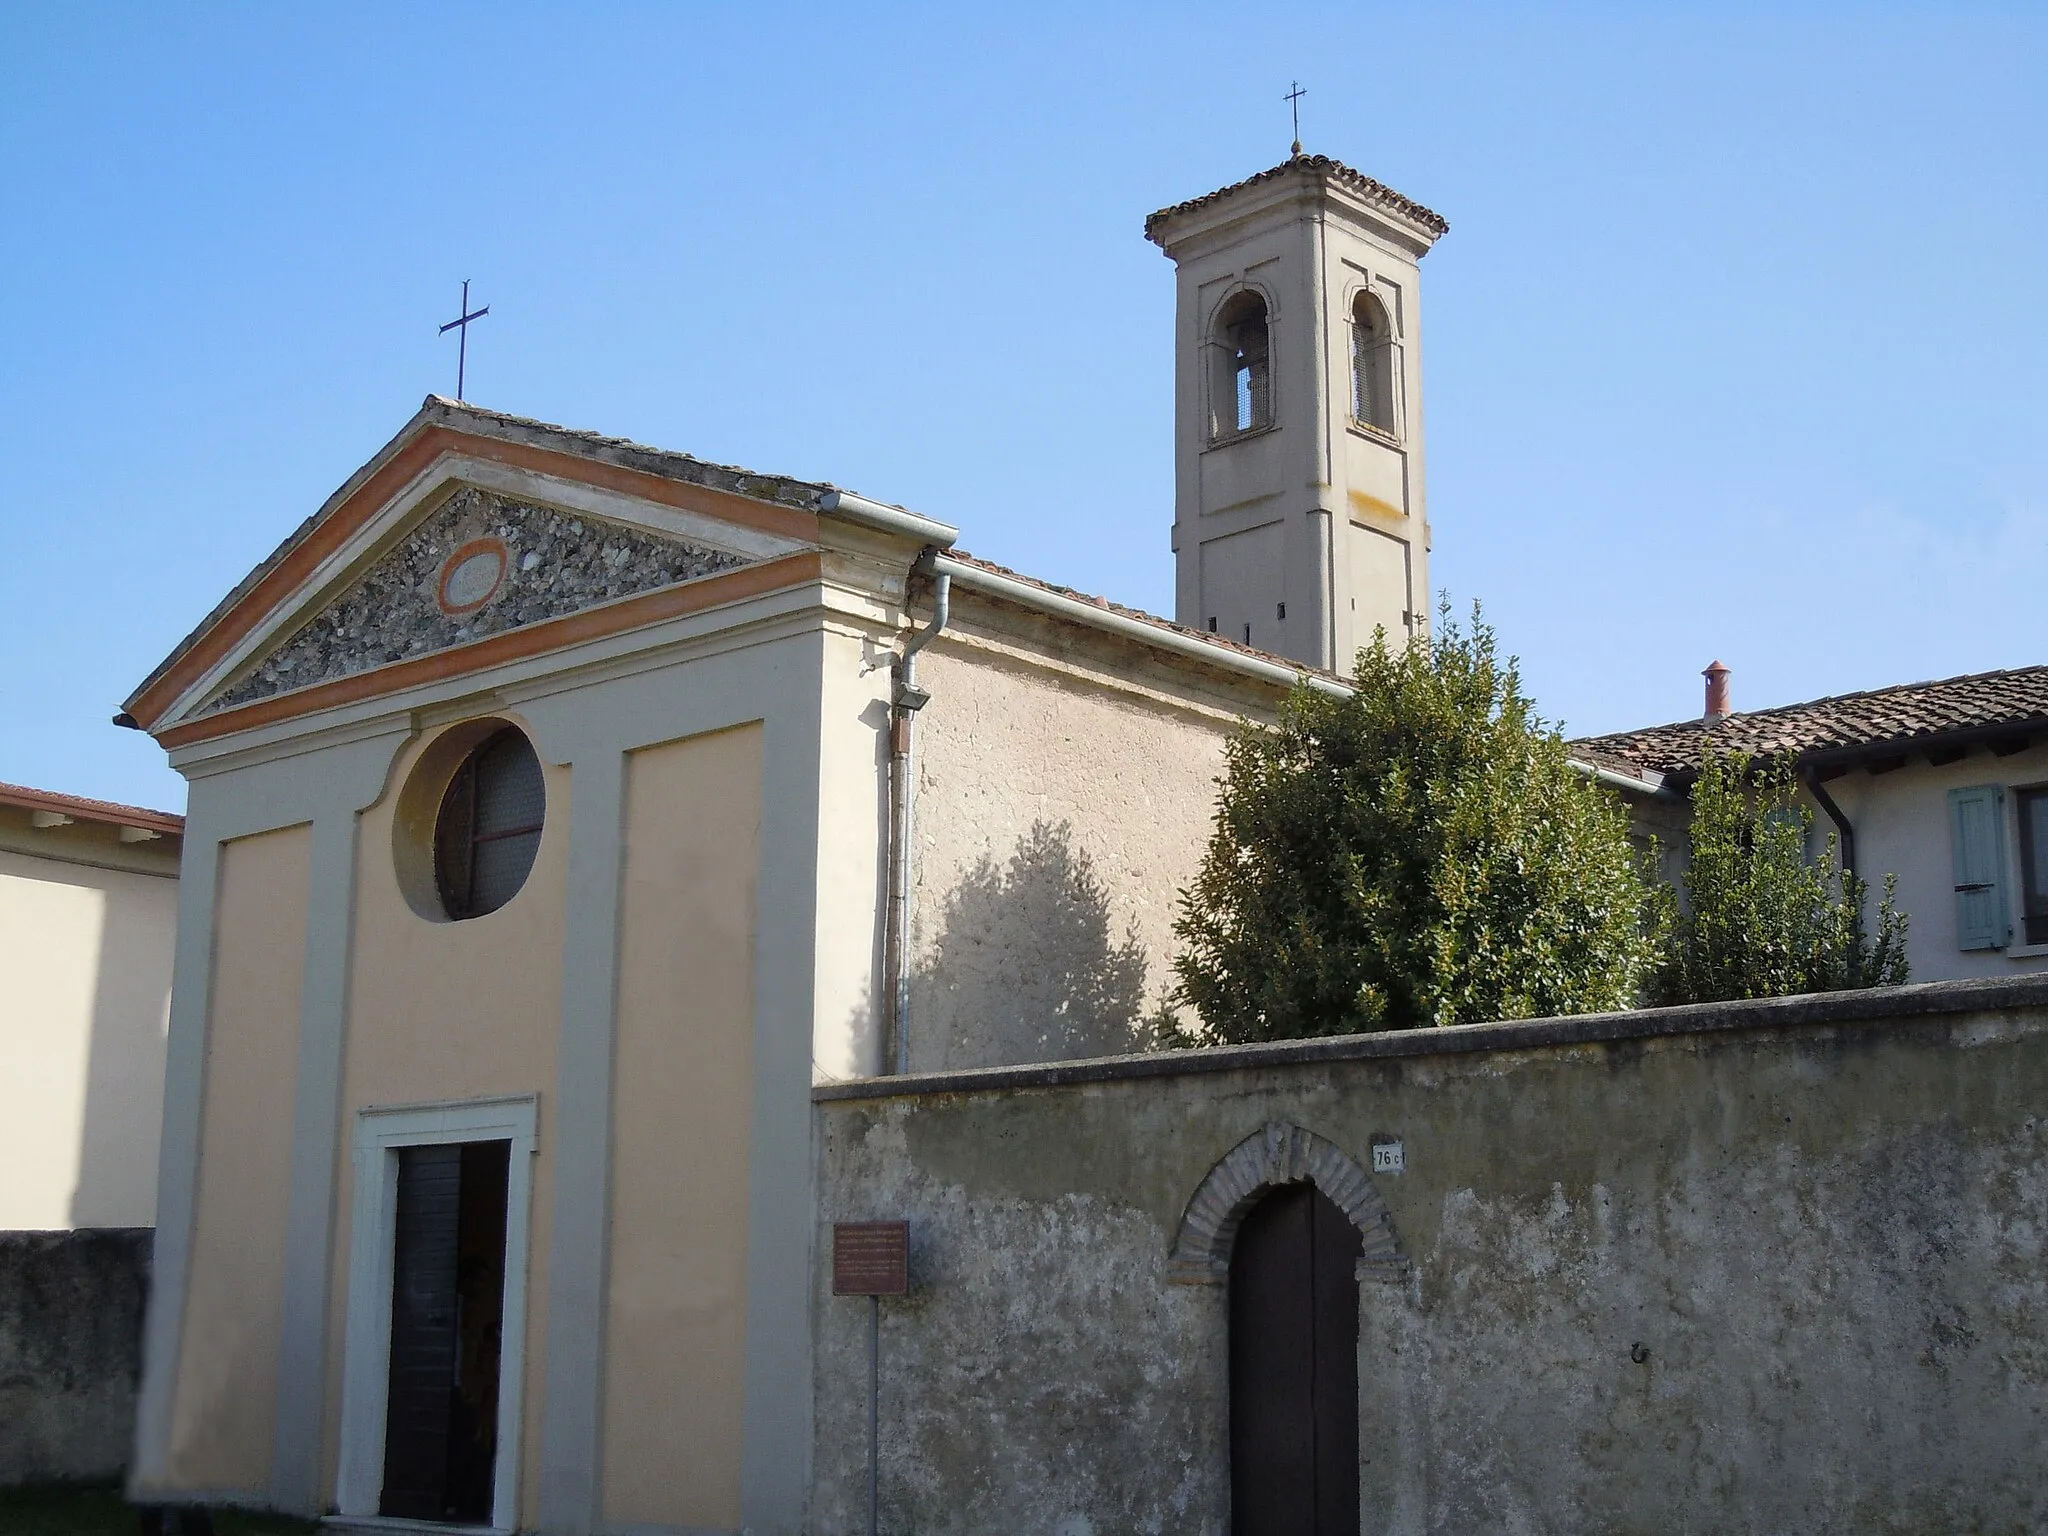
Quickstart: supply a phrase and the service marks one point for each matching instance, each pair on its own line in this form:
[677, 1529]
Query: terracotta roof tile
[107, 812]
[1374, 192]
[1849, 725]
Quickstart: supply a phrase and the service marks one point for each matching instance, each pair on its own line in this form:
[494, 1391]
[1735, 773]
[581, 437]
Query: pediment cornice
[481, 564]
[426, 466]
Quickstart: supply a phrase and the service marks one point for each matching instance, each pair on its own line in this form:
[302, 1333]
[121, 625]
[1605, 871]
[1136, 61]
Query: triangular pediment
[473, 541]
[481, 563]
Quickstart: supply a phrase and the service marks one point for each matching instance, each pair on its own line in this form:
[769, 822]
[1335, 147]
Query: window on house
[488, 831]
[1372, 364]
[2033, 809]
[1977, 843]
[1241, 391]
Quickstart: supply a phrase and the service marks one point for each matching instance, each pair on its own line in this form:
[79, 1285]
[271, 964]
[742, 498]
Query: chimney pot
[1718, 707]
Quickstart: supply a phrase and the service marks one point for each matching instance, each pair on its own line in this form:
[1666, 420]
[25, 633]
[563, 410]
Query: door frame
[366, 1352]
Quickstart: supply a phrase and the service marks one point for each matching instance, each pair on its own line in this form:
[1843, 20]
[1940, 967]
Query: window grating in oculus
[489, 827]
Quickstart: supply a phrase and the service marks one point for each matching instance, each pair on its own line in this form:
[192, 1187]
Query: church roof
[1848, 727]
[1221, 643]
[475, 421]
[443, 422]
[1375, 192]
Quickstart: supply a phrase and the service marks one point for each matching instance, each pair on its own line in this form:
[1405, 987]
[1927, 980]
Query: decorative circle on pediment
[472, 576]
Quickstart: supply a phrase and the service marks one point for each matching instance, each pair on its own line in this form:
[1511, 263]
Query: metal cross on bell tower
[1293, 99]
[461, 322]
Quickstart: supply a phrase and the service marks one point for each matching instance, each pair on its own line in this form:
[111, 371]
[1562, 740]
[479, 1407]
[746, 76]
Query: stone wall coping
[1817, 1010]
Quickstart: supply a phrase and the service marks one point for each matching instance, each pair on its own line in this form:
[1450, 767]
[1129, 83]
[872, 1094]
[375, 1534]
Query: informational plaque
[870, 1258]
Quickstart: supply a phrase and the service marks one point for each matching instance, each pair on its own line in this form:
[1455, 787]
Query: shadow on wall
[1026, 965]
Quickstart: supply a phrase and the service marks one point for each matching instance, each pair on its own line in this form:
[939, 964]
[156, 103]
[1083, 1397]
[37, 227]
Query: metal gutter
[1029, 595]
[1651, 785]
[888, 519]
[1181, 643]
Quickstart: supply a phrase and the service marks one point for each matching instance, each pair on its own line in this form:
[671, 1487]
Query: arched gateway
[1291, 1224]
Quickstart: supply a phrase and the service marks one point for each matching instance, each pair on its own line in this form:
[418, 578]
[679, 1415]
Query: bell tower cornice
[1186, 227]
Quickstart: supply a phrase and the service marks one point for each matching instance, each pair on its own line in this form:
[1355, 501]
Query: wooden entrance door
[1294, 1368]
[447, 1305]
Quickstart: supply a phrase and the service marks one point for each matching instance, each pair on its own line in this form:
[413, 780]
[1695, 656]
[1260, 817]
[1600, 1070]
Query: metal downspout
[1826, 802]
[906, 699]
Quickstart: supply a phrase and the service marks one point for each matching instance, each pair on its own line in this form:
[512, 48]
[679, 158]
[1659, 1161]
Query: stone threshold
[1814, 1010]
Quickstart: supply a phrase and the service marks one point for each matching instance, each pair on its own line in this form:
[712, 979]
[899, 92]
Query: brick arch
[1280, 1154]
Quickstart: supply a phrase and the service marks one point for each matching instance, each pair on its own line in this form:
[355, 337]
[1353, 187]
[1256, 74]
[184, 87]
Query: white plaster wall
[1059, 813]
[1902, 827]
[85, 985]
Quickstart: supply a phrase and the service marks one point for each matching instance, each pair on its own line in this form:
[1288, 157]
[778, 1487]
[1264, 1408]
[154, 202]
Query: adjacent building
[1942, 785]
[88, 916]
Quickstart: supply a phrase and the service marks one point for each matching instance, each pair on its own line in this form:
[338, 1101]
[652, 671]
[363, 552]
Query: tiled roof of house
[79, 808]
[1884, 721]
[1374, 192]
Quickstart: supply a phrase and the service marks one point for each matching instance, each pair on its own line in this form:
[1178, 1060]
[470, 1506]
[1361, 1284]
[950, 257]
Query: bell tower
[1299, 522]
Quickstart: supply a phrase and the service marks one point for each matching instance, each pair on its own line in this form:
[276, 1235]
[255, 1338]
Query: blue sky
[1737, 347]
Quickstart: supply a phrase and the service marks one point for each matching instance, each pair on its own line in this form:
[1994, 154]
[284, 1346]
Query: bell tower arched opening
[1372, 365]
[1241, 372]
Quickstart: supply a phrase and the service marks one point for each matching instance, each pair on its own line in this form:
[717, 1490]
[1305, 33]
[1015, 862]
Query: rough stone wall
[70, 1351]
[1764, 1268]
[557, 563]
[1058, 817]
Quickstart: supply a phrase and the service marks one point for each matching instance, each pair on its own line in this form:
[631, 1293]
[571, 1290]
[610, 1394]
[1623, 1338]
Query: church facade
[563, 812]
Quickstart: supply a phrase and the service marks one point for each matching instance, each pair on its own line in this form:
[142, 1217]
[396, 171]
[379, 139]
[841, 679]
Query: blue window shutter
[1977, 830]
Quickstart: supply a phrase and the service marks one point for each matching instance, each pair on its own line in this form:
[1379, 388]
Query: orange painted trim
[512, 645]
[373, 494]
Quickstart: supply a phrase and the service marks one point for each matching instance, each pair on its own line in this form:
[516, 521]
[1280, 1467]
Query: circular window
[488, 829]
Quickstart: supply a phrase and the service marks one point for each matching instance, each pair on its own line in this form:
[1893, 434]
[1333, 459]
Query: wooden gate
[1294, 1368]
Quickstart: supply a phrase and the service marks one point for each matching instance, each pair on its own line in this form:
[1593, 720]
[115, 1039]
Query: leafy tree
[1761, 919]
[1420, 852]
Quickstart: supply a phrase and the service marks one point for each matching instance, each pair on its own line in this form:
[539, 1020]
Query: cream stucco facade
[88, 913]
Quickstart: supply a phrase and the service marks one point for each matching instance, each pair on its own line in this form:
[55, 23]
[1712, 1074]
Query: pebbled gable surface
[557, 563]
